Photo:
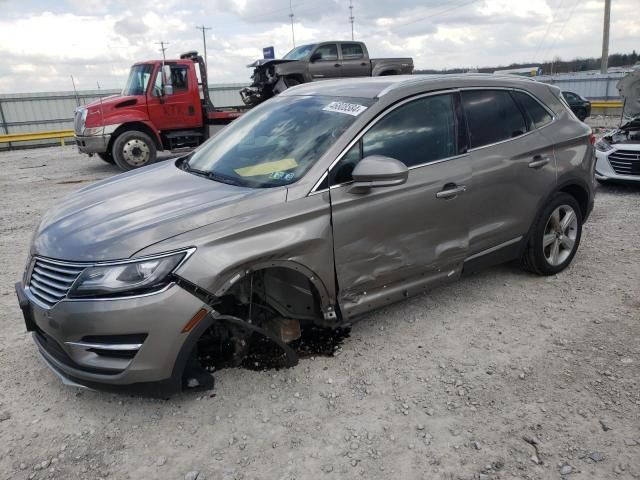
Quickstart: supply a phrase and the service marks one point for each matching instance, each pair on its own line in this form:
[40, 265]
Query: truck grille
[78, 122]
[625, 162]
[51, 281]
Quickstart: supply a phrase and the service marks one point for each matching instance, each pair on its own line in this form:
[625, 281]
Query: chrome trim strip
[106, 346]
[493, 249]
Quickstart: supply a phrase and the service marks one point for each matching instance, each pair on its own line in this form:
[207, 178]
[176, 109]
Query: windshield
[299, 52]
[138, 80]
[277, 142]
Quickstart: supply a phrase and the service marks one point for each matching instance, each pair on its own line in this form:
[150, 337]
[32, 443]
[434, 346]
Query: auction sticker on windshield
[344, 107]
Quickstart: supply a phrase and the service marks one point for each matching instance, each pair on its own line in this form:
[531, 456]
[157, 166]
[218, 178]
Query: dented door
[393, 242]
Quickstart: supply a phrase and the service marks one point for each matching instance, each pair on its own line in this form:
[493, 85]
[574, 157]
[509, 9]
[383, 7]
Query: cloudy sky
[44, 42]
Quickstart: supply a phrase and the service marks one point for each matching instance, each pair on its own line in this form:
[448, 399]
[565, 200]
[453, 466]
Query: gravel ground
[503, 375]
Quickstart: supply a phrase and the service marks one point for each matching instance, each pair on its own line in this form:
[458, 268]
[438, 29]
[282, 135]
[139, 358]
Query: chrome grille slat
[51, 283]
[55, 276]
[51, 280]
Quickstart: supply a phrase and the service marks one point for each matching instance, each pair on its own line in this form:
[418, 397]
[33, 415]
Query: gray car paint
[413, 239]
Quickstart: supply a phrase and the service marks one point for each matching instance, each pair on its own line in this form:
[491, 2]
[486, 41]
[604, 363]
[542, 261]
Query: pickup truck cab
[318, 61]
[163, 106]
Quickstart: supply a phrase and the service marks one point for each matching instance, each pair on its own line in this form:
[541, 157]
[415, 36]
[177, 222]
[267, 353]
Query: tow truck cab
[165, 105]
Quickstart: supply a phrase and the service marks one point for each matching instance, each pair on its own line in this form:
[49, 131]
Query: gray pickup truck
[318, 61]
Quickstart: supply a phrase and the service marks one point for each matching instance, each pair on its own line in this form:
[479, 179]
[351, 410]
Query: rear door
[513, 167]
[328, 65]
[354, 61]
[181, 109]
[394, 241]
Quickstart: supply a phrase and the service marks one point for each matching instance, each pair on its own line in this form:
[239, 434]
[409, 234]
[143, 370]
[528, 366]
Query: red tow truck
[165, 105]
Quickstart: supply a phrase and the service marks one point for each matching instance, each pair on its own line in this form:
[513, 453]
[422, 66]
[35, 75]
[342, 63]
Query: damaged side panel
[296, 238]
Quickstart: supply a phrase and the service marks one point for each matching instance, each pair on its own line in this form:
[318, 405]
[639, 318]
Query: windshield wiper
[217, 177]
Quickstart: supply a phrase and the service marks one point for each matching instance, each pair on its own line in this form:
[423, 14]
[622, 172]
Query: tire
[581, 114]
[107, 157]
[291, 82]
[554, 237]
[133, 149]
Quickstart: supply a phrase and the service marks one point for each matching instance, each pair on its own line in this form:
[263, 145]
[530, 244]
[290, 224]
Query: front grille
[625, 162]
[50, 280]
[78, 122]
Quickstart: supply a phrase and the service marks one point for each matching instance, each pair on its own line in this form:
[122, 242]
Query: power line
[162, 44]
[204, 42]
[293, 35]
[351, 17]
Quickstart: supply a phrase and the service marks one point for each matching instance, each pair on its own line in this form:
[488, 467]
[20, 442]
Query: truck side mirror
[167, 85]
[315, 57]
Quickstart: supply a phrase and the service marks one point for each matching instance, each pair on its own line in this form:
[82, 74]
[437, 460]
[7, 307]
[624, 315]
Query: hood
[271, 61]
[115, 110]
[629, 88]
[110, 102]
[117, 217]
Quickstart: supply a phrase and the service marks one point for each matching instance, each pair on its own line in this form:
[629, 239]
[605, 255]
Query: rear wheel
[134, 149]
[581, 114]
[555, 236]
[107, 157]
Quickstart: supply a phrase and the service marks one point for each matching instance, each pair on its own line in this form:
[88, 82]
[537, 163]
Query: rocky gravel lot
[503, 375]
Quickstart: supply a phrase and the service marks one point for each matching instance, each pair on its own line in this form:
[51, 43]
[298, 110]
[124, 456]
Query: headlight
[602, 146]
[130, 277]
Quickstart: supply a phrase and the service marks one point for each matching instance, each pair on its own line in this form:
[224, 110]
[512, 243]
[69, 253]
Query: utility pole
[204, 41]
[162, 44]
[351, 17]
[604, 61]
[293, 35]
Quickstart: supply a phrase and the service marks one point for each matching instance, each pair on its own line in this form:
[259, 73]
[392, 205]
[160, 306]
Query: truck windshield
[299, 53]
[277, 142]
[138, 80]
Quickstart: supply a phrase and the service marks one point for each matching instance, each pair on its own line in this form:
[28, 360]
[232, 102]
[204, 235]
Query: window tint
[492, 116]
[537, 113]
[352, 51]
[570, 96]
[418, 132]
[328, 52]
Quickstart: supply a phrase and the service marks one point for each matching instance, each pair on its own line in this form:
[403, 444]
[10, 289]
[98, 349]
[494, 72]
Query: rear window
[538, 115]
[492, 116]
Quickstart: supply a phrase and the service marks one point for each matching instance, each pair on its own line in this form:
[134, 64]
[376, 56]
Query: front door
[327, 65]
[513, 165]
[181, 109]
[354, 63]
[392, 242]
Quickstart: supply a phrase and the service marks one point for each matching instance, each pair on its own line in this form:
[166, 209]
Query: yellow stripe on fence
[606, 104]
[25, 137]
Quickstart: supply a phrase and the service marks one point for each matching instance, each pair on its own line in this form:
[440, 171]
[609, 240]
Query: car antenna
[100, 99]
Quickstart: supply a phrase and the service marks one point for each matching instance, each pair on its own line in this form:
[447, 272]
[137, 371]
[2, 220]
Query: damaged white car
[618, 151]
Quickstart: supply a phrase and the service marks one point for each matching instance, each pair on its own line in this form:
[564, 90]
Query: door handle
[539, 161]
[336, 64]
[451, 190]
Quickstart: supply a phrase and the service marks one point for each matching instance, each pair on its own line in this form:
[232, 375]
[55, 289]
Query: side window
[179, 75]
[329, 52]
[418, 132]
[537, 113]
[492, 116]
[351, 51]
[157, 85]
[569, 96]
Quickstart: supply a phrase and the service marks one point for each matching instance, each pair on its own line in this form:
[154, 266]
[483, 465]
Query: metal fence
[37, 112]
[594, 86]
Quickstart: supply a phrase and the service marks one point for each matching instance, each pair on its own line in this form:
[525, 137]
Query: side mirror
[315, 57]
[167, 85]
[378, 171]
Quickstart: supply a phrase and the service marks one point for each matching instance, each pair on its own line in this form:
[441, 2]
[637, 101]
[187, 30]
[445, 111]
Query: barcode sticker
[343, 107]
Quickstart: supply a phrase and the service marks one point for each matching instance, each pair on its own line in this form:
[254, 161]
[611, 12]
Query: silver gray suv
[324, 203]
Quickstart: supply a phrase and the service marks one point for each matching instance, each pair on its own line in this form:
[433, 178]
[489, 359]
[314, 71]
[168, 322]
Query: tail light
[592, 138]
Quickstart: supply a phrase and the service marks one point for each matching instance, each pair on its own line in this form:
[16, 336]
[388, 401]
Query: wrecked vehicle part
[629, 88]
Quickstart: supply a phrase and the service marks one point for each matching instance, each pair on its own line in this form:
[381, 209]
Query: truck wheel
[134, 149]
[107, 157]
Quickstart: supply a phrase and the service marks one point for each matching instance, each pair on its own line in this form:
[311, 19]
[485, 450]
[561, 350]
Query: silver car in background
[326, 202]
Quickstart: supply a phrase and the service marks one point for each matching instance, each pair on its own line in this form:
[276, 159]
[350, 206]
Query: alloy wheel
[560, 234]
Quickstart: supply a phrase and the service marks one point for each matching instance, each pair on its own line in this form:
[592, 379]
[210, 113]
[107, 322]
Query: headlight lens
[602, 146]
[134, 277]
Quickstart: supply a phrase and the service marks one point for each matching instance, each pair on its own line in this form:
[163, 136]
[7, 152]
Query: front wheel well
[134, 126]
